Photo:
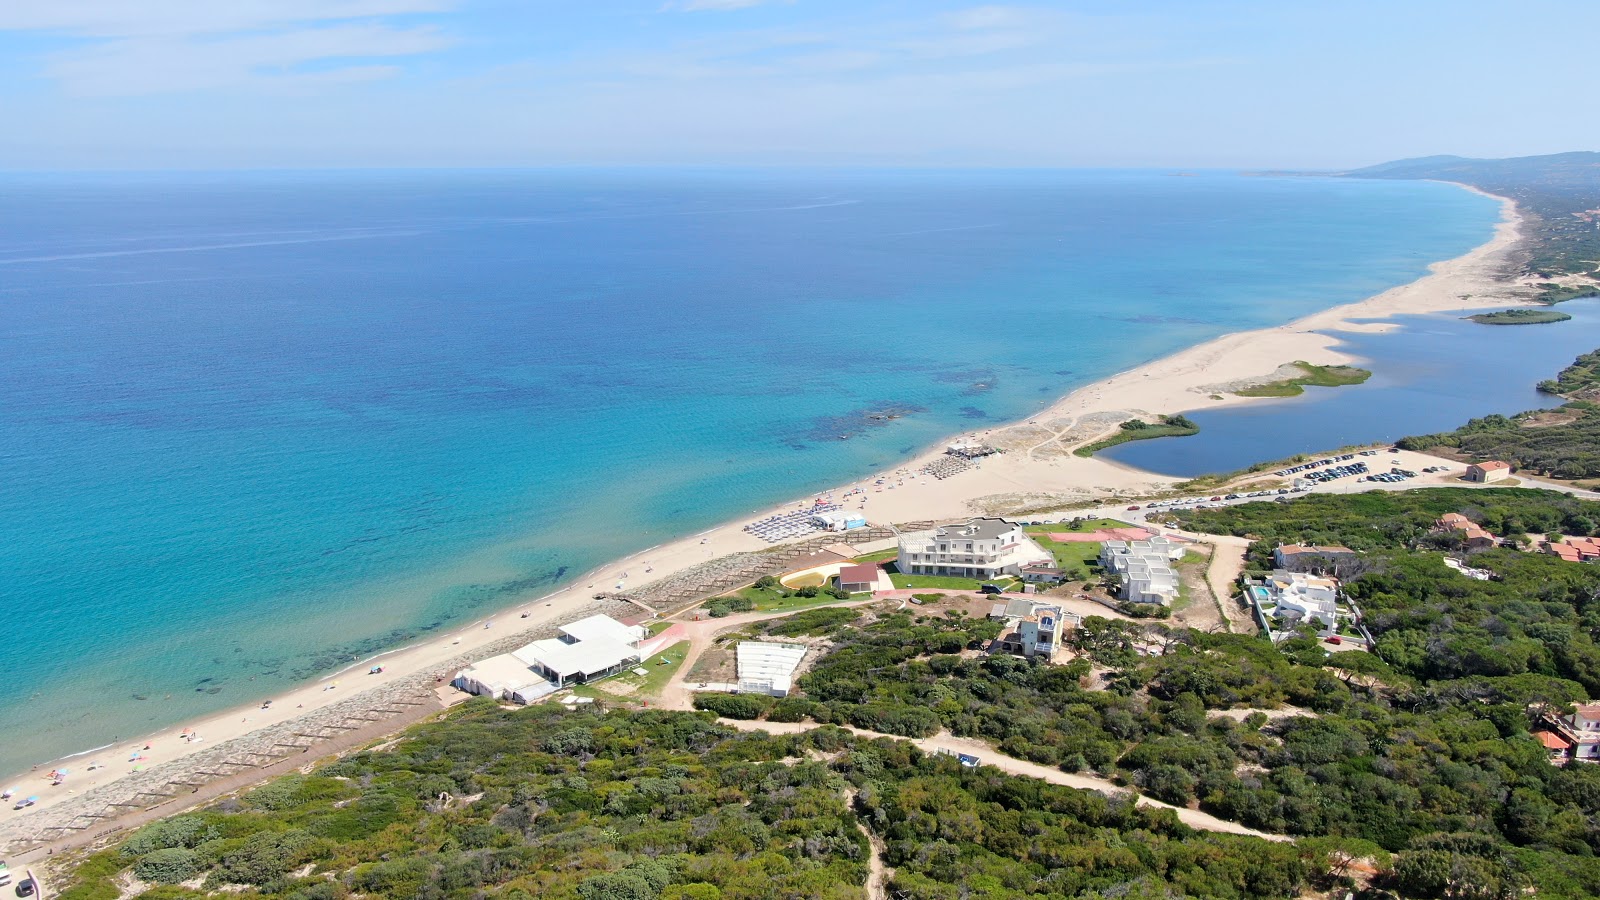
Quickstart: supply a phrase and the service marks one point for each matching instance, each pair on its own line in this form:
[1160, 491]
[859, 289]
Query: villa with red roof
[1473, 536]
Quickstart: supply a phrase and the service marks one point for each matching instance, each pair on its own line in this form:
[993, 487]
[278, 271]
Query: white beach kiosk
[586, 649]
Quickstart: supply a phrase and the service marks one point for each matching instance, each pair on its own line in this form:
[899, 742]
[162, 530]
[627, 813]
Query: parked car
[1134, 508]
[989, 589]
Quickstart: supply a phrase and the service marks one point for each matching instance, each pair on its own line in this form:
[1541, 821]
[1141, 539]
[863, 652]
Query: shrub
[734, 706]
[178, 831]
[168, 866]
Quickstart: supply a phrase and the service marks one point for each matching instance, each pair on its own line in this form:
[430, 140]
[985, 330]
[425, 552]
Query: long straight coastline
[1036, 473]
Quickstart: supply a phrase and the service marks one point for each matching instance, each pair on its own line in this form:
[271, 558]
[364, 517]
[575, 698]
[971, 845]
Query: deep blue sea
[252, 425]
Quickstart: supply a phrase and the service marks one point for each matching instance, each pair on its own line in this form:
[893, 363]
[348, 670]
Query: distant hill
[1559, 194]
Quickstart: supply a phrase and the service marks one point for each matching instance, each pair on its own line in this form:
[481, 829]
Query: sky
[221, 84]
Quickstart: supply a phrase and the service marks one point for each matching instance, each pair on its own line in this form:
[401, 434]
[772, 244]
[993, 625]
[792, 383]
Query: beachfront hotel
[582, 651]
[981, 548]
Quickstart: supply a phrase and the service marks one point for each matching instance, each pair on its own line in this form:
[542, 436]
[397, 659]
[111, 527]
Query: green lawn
[880, 556]
[658, 627]
[944, 582]
[1077, 555]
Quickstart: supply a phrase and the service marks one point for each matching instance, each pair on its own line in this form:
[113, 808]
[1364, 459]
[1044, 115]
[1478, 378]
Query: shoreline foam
[1038, 464]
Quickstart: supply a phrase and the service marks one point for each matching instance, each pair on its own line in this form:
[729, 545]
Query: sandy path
[877, 872]
[1011, 765]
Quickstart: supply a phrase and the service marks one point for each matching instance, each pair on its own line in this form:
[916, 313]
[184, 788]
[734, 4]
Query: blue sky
[290, 83]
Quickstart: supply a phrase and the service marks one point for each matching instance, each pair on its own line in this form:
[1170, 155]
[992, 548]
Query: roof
[768, 661]
[598, 627]
[583, 658]
[1292, 550]
[983, 529]
[1552, 741]
[1590, 711]
[501, 673]
[865, 573]
[1493, 464]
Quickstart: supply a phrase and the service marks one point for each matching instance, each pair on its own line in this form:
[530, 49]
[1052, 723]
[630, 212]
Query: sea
[254, 426]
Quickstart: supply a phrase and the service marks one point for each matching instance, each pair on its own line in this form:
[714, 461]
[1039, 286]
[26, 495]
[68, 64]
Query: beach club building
[981, 548]
[766, 667]
[582, 651]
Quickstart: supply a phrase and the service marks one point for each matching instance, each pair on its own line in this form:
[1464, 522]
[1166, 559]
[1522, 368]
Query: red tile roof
[1492, 465]
[1552, 741]
[865, 573]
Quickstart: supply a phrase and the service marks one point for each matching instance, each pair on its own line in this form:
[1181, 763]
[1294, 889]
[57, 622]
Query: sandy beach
[1037, 472]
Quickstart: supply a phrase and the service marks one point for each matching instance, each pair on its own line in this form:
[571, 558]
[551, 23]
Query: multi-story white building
[1033, 628]
[1299, 598]
[1145, 568]
[981, 548]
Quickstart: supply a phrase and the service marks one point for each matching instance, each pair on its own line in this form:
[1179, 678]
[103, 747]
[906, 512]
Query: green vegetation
[1576, 380]
[661, 668]
[767, 595]
[1140, 430]
[1313, 376]
[943, 582]
[1521, 316]
[880, 556]
[1561, 293]
[1565, 449]
[1561, 444]
[1416, 757]
[597, 805]
[1558, 196]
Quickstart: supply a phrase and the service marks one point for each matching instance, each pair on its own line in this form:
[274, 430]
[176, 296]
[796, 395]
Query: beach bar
[586, 649]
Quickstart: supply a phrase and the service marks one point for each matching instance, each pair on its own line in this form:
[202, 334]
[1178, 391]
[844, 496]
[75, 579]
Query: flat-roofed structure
[767, 667]
[503, 677]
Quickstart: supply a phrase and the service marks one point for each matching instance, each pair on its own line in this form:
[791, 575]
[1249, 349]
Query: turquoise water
[251, 426]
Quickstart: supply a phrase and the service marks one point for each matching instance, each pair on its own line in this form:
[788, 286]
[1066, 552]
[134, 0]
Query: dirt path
[1227, 564]
[877, 872]
[702, 634]
[989, 756]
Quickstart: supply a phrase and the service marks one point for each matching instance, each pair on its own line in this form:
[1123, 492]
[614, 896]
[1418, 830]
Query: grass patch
[1519, 317]
[658, 627]
[1314, 376]
[944, 582]
[651, 685]
[810, 579]
[1140, 430]
[1549, 292]
[880, 556]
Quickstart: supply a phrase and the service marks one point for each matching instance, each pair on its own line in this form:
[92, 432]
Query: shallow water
[254, 425]
[1433, 374]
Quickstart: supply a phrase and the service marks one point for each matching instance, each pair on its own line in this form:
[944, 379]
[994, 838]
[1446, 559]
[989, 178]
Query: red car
[1133, 508]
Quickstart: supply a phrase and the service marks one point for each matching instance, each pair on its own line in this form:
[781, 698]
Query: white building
[1301, 598]
[1032, 628]
[586, 649]
[982, 548]
[1145, 568]
[766, 667]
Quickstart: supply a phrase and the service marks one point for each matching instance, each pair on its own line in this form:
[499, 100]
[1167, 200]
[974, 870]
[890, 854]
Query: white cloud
[713, 5]
[131, 18]
[131, 47]
[160, 64]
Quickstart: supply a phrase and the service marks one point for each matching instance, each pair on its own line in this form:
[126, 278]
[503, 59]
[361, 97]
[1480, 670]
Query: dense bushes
[734, 706]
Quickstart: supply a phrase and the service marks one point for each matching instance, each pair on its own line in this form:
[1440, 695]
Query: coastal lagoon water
[252, 427]
[1432, 374]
